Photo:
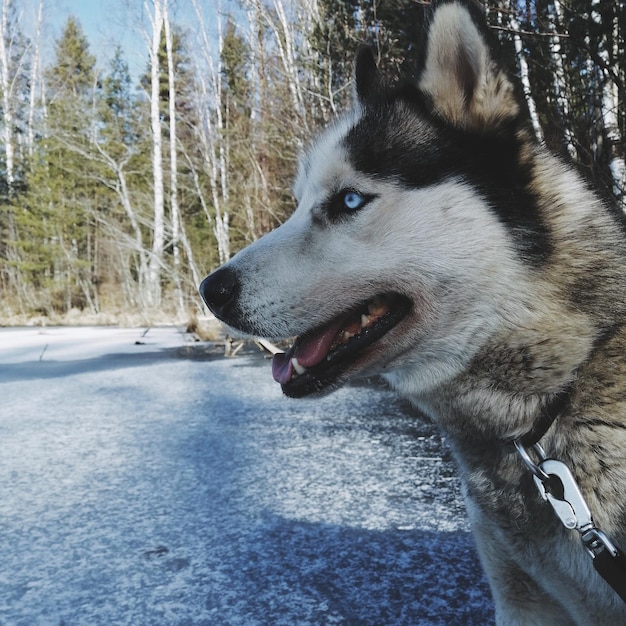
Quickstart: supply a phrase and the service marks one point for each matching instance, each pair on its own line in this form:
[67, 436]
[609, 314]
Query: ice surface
[75, 343]
[138, 486]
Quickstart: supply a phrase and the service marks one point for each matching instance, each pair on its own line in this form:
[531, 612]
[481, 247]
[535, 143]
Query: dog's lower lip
[326, 371]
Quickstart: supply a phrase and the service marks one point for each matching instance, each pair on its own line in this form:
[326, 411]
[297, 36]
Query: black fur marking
[398, 138]
[366, 73]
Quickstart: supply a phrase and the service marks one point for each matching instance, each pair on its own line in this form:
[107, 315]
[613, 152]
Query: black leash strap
[609, 562]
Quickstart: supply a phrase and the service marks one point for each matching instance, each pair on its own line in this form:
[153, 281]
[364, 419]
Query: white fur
[437, 243]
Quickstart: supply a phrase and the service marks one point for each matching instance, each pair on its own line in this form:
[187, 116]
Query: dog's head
[398, 257]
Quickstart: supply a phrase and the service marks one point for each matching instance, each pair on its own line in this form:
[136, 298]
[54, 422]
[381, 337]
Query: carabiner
[530, 464]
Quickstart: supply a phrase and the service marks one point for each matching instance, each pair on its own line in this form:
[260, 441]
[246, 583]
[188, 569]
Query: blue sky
[106, 23]
[91, 13]
[109, 23]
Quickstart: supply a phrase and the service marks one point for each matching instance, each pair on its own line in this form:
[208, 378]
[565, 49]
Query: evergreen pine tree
[58, 229]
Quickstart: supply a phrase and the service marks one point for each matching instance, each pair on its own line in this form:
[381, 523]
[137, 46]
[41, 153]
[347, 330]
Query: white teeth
[366, 320]
[376, 308]
[347, 336]
[300, 369]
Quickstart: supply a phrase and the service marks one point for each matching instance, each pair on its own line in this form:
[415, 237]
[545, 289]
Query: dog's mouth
[320, 356]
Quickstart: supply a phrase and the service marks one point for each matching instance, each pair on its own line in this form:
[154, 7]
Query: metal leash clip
[557, 485]
[563, 493]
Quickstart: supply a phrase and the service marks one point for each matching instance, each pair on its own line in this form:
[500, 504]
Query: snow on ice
[143, 484]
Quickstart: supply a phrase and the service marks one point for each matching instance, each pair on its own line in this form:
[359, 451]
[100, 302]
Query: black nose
[219, 291]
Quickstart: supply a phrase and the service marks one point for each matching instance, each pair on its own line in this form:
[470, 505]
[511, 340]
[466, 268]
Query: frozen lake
[143, 484]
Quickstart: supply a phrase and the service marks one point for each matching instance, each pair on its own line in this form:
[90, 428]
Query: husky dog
[436, 242]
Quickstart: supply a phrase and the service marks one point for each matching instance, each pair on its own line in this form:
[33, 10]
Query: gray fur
[515, 296]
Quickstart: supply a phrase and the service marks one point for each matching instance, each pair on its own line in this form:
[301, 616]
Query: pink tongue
[309, 352]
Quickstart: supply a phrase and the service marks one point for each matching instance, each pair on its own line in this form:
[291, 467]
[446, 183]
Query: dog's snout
[219, 291]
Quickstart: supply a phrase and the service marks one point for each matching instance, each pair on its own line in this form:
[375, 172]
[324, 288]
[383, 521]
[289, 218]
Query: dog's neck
[516, 389]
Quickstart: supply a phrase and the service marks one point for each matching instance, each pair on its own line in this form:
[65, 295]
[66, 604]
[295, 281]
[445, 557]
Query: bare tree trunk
[156, 258]
[284, 34]
[123, 194]
[7, 104]
[10, 67]
[524, 71]
[561, 86]
[609, 54]
[174, 208]
[142, 270]
[253, 11]
[212, 136]
[214, 156]
[195, 274]
[35, 77]
[221, 216]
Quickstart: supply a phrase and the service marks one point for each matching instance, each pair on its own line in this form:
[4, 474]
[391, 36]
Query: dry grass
[205, 329]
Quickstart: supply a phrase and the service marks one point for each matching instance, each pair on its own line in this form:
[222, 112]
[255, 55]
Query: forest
[119, 193]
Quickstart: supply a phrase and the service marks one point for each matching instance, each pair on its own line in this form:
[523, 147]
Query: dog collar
[548, 415]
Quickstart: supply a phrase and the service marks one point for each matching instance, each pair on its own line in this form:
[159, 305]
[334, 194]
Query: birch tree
[174, 208]
[285, 39]
[156, 16]
[35, 80]
[6, 84]
[15, 55]
[12, 56]
[561, 83]
[609, 55]
[508, 21]
[211, 131]
[118, 149]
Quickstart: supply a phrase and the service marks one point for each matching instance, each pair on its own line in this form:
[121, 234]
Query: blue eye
[353, 201]
[346, 202]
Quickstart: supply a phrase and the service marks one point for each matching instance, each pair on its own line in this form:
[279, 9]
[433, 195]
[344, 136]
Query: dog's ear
[366, 75]
[462, 80]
